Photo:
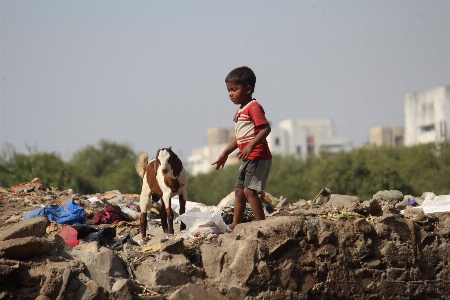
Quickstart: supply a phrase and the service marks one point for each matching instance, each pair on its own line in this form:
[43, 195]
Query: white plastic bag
[195, 219]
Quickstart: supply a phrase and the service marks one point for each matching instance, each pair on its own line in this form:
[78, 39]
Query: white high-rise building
[427, 114]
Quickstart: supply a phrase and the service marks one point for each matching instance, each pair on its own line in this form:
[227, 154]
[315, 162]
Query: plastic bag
[69, 235]
[68, 213]
[194, 218]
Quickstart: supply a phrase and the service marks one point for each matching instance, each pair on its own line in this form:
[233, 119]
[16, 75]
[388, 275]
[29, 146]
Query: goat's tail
[141, 163]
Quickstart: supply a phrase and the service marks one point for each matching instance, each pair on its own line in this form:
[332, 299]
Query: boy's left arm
[264, 131]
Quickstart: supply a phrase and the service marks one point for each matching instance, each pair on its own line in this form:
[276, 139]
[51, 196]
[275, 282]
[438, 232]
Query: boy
[252, 128]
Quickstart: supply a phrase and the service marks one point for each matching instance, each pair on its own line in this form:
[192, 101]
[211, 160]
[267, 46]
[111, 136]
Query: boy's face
[239, 93]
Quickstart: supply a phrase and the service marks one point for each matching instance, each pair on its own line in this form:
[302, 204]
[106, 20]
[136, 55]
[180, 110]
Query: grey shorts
[253, 174]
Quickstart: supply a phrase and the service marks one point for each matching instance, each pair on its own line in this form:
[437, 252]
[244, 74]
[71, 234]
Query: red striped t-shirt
[248, 119]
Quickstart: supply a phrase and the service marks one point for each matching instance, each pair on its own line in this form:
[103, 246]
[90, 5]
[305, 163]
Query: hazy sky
[151, 73]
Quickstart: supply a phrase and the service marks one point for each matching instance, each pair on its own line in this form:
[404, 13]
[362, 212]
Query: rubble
[331, 247]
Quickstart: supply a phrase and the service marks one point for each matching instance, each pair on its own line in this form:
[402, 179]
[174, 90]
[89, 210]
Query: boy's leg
[255, 203]
[239, 207]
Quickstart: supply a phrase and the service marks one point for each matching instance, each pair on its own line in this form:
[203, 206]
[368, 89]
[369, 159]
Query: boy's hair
[242, 75]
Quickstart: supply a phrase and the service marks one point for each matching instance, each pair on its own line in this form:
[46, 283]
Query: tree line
[360, 172]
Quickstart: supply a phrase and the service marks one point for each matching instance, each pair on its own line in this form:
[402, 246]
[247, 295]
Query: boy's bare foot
[232, 225]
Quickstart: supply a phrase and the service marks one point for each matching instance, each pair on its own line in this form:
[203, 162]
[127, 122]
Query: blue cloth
[68, 213]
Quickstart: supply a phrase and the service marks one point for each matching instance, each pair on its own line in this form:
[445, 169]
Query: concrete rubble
[331, 247]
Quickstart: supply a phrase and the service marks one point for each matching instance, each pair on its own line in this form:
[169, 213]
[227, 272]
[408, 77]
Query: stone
[396, 224]
[88, 247]
[103, 267]
[88, 290]
[362, 226]
[326, 237]
[342, 202]
[391, 196]
[282, 248]
[169, 270]
[120, 290]
[32, 227]
[173, 246]
[192, 291]
[26, 247]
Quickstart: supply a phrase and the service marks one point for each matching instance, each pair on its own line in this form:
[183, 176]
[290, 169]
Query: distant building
[387, 136]
[305, 137]
[427, 115]
[290, 137]
[201, 159]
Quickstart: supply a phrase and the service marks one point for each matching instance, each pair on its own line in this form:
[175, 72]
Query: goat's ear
[170, 148]
[177, 165]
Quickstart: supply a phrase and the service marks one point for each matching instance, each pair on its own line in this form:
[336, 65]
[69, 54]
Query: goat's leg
[163, 217]
[143, 224]
[169, 213]
[182, 209]
[144, 203]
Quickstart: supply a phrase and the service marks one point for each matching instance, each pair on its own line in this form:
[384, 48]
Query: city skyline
[151, 73]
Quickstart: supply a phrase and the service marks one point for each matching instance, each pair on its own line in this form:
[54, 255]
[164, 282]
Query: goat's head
[168, 161]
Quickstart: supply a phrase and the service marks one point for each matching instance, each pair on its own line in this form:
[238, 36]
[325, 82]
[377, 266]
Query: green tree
[107, 166]
[16, 168]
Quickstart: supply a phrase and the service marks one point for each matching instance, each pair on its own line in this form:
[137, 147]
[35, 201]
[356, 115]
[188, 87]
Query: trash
[96, 202]
[152, 248]
[111, 214]
[412, 202]
[227, 214]
[104, 236]
[436, 204]
[126, 239]
[68, 213]
[131, 212]
[153, 215]
[195, 218]
[268, 197]
[69, 235]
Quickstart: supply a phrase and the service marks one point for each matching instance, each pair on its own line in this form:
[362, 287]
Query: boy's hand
[220, 162]
[245, 152]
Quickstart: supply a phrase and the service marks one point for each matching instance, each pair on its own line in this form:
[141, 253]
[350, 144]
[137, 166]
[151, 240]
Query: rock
[326, 237]
[192, 291]
[23, 248]
[323, 196]
[6, 269]
[396, 224]
[88, 247]
[281, 248]
[173, 246]
[414, 214]
[88, 290]
[391, 196]
[31, 227]
[362, 226]
[169, 270]
[104, 267]
[120, 290]
[283, 203]
[342, 202]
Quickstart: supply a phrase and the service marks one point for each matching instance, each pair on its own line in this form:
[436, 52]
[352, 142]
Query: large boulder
[391, 196]
[31, 227]
[104, 267]
[170, 270]
[23, 248]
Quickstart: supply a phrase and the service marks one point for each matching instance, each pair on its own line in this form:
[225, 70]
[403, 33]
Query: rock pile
[333, 247]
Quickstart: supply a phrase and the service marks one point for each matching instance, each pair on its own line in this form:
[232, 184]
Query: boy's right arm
[220, 162]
